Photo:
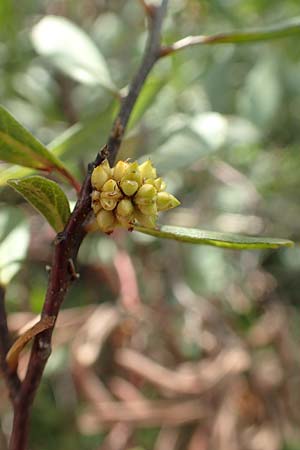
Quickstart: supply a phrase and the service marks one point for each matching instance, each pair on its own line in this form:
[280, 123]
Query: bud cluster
[128, 194]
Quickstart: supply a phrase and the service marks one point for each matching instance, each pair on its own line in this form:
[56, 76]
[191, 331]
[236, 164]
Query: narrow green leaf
[280, 30]
[149, 92]
[18, 146]
[283, 29]
[217, 239]
[72, 51]
[201, 137]
[46, 197]
[75, 139]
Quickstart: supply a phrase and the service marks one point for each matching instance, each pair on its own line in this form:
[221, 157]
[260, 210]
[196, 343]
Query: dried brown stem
[68, 242]
[151, 412]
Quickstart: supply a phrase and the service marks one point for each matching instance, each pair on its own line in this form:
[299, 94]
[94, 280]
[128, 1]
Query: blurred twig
[281, 30]
[193, 380]
[149, 9]
[129, 291]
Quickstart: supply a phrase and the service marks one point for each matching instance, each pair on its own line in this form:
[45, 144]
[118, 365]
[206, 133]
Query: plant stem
[284, 29]
[151, 55]
[68, 242]
[69, 177]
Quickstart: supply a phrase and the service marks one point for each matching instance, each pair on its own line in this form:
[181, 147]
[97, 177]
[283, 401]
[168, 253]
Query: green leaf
[149, 92]
[12, 251]
[280, 30]
[18, 146]
[260, 97]
[72, 51]
[85, 134]
[200, 137]
[217, 239]
[203, 136]
[46, 197]
[75, 139]
[179, 151]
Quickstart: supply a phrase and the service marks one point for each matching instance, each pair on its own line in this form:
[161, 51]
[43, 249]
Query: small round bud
[96, 205]
[111, 188]
[145, 195]
[129, 187]
[125, 208]
[125, 222]
[106, 221]
[148, 210]
[145, 221]
[147, 170]
[166, 201]
[160, 184]
[108, 203]
[133, 173]
[99, 177]
[119, 170]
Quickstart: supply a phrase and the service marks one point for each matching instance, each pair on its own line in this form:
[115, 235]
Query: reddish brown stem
[69, 177]
[149, 9]
[68, 242]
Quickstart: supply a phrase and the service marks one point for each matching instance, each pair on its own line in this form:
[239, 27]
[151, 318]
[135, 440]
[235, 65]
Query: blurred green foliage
[220, 122]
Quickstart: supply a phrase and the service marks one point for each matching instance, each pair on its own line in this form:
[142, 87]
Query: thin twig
[68, 242]
[151, 412]
[71, 180]
[285, 29]
[151, 55]
[11, 379]
[149, 9]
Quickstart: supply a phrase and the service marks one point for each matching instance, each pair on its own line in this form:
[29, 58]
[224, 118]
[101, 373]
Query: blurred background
[161, 345]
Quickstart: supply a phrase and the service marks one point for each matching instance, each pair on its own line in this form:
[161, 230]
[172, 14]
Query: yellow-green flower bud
[148, 210]
[128, 194]
[108, 203]
[166, 201]
[133, 173]
[125, 208]
[145, 195]
[106, 221]
[119, 170]
[96, 205]
[129, 187]
[160, 184]
[145, 221]
[99, 177]
[125, 222]
[110, 189]
[147, 170]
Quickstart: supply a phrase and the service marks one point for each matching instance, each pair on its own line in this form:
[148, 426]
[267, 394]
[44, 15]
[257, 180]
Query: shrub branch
[68, 242]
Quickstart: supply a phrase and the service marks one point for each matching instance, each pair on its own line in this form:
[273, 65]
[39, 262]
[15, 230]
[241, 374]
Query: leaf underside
[214, 238]
[68, 48]
[46, 197]
[19, 146]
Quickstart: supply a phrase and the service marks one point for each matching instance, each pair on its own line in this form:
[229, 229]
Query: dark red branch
[69, 177]
[68, 242]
